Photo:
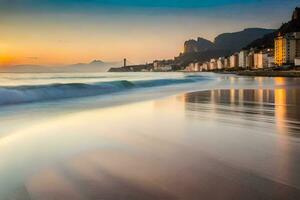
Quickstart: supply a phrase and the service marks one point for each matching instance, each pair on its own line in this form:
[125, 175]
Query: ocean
[148, 136]
[36, 87]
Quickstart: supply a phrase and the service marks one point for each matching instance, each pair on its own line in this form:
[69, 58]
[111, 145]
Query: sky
[59, 32]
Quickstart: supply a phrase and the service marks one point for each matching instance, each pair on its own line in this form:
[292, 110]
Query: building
[271, 61]
[201, 68]
[190, 67]
[297, 45]
[297, 62]
[205, 66]
[197, 66]
[234, 60]
[255, 61]
[194, 67]
[250, 60]
[213, 64]
[162, 65]
[260, 60]
[287, 48]
[166, 68]
[243, 58]
[221, 63]
[227, 63]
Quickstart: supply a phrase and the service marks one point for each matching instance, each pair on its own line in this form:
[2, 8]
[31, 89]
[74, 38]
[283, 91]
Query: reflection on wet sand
[117, 175]
[218, 144]
[280, 106]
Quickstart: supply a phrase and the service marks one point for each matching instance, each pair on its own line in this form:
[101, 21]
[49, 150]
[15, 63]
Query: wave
[35, 93]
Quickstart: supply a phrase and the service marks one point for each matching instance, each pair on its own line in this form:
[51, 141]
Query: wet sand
[227, 143]
[290, 73]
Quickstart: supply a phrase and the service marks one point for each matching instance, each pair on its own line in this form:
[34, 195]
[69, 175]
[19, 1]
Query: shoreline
[291, 74]
[261, 73]
[108, 155]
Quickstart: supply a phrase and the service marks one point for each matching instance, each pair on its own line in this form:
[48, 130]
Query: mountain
[267, 41]
[227, 41]
[192, 46]
[236, 41]
[224, 44]
[94, 66]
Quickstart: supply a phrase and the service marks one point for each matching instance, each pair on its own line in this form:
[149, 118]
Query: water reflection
[183, 147]
[279, 106]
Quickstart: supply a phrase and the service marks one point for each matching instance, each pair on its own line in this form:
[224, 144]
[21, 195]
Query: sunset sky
[53, 32]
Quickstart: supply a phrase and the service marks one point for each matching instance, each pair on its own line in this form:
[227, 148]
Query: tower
[125, 62]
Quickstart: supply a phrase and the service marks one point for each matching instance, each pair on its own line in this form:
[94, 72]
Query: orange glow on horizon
[7, 60]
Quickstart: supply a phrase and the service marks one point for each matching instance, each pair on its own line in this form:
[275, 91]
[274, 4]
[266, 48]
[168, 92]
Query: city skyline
[72, 31]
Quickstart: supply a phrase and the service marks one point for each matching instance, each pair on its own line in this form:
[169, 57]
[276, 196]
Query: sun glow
[6, 60]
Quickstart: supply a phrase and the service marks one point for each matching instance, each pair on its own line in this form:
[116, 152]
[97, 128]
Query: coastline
[270, 73]
[262, 73]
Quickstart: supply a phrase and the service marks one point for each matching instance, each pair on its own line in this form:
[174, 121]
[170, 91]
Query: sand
[226, 143]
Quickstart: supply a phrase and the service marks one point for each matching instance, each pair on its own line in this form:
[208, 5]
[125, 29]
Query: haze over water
[202, 136]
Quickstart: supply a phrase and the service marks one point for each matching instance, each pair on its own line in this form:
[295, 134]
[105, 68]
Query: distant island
[93, 66]
[252, 49]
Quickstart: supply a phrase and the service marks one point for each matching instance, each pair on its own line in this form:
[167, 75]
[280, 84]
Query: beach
[262, 73]
[167, 136]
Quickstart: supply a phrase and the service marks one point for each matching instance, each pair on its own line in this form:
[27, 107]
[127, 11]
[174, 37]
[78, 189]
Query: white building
[213, 64]
[243, 58]
[166, 68]
[250, 60]
[162, 65]
[221, 63]
[227, 63]
[194, 67]
[205, 66]
[190, 67]
[234, 60]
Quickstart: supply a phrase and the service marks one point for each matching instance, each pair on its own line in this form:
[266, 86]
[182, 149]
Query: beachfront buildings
[246, 59]
[287, 51]
[243, 58]
[287, 48]
[227, 62]
[234, 60]
[198, 66]
[250, 60]
[260, 60]
[163, 65]
[221, 63]
[271, 61]
[192, 67]
[213, 64]
[205, 66]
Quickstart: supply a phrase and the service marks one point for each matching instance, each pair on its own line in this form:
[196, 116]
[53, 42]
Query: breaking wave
[35, 93]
